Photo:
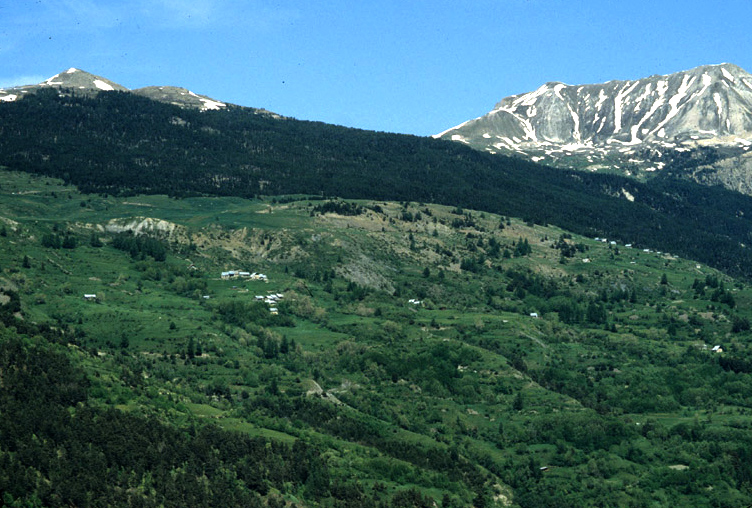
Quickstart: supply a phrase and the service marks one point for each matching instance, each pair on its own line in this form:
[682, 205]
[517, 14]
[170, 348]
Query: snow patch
[657, 104]
[102, 85]
[635, 140]
[603, 124]
[706, 82]
[9, 98]
[524, 123]
[486, 135]
[624, 92]
[71, 70]
[680, 94]
[676, 99]
[728, 75]
[573, 146]
[51, 81]
[601, 99]
[557, 90]
[210, 104]
[644, 95]
[661, 87]
[719, 104]
[576, 118]
[529, 99]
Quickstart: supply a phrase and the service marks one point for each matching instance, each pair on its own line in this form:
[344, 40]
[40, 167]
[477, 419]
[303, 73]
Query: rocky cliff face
[631, 126]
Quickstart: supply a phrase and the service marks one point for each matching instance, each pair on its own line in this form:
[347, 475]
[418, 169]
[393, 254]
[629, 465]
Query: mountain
[395, 353]
[154, 147]
[84, 82]
[632, 127]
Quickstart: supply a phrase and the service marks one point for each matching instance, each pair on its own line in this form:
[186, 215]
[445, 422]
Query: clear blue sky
[411, 66]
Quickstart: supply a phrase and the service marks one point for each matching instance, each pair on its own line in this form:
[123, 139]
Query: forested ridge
[124, 144]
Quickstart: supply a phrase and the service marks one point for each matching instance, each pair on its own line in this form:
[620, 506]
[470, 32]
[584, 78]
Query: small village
[271, 299]
[239, 274]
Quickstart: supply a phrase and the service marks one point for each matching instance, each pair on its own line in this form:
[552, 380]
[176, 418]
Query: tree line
[241, 152]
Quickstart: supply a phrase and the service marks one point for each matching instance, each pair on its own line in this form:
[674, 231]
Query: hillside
[153, 147]
[420, 355]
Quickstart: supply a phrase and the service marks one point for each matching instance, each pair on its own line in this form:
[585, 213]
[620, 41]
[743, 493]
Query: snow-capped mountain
[82, 81]
[630, 126]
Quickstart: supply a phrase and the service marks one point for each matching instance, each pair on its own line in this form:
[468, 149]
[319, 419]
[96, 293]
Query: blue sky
[410, 66]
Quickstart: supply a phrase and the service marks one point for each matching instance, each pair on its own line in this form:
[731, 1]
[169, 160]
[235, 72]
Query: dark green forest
[123, 144]
[435, 328]
[104, 457]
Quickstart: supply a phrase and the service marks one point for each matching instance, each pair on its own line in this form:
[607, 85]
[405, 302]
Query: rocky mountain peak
[562, 124]
[79, 80]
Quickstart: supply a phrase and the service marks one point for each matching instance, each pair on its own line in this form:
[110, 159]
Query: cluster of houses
[612, 242]
[237, 274]
[605, 240]
[271, 299]
[414, 301]
[628, 245]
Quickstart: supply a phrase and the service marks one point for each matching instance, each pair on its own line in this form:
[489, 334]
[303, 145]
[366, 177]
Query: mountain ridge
[85, 82]
[586, 125]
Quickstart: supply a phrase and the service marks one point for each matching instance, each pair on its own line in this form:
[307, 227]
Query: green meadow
[431, 356]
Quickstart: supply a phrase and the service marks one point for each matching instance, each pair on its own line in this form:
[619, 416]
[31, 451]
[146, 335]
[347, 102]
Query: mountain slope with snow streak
[630, 126]
[80, 81]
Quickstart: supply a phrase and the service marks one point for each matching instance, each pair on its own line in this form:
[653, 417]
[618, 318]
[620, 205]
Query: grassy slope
[445, 375]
